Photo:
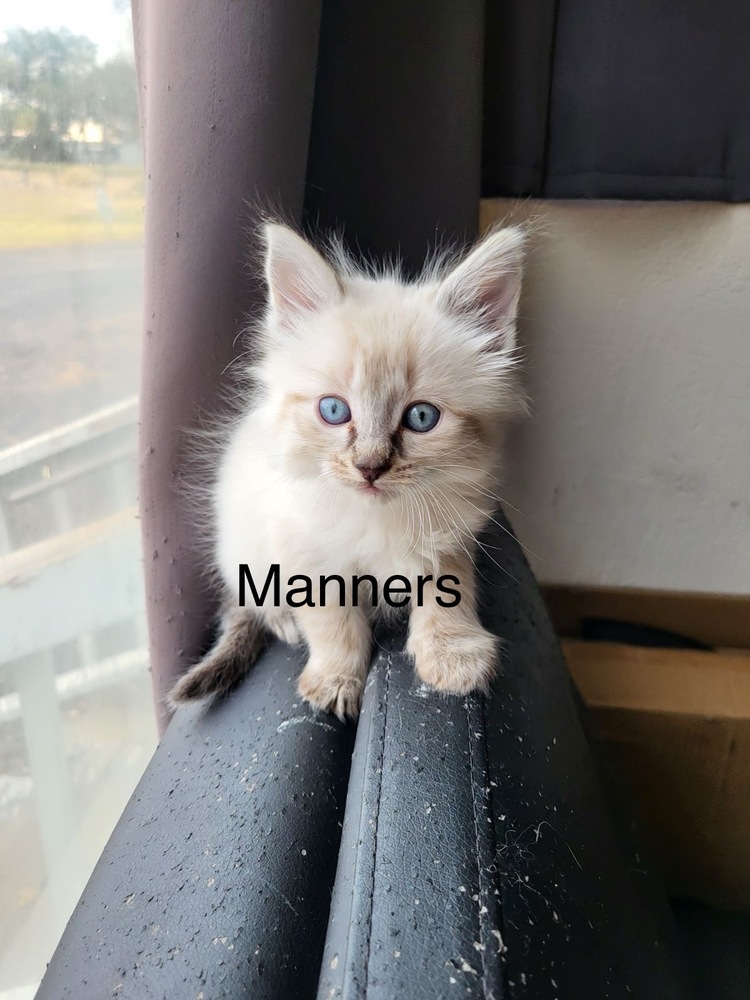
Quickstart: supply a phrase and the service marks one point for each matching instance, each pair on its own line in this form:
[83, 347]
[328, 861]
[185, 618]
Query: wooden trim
[672, 681]
[715, 619]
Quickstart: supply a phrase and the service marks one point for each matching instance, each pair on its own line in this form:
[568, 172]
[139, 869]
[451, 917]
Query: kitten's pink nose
[371, 472]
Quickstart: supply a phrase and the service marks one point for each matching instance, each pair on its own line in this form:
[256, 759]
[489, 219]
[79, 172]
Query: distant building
[84, 142]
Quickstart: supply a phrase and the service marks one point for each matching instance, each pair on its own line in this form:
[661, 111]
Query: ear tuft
[486, 285]
[299, 279]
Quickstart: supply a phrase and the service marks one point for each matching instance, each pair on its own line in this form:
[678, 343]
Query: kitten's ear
[299, 280]
[486, 285]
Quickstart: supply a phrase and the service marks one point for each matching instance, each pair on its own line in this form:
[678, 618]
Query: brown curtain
[366, 115]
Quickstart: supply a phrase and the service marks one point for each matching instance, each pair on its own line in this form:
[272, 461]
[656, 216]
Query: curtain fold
[395, 148]
[226, 94]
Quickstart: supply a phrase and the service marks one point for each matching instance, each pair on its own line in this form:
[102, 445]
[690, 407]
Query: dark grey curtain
[617, 99]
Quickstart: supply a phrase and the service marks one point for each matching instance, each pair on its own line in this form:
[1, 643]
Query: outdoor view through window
[76, 717]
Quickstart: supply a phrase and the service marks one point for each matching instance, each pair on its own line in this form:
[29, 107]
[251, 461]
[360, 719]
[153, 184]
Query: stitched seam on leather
[351, 943]
[477, 841]
[381, 761]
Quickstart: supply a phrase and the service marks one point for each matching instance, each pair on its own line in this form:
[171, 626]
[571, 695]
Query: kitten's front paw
[456, 664]
[337, 693]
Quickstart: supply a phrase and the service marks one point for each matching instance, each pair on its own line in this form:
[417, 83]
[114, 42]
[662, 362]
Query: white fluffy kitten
[335, 469]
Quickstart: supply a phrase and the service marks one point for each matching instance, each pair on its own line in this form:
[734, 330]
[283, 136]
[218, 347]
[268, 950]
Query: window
[76, 715]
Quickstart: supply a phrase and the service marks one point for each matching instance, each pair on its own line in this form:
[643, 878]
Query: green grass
[46, 205]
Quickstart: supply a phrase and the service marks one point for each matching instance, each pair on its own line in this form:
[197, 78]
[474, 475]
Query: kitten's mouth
[370, 488]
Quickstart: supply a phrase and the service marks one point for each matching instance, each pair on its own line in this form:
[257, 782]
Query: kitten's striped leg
[241, 639]
[339, 640]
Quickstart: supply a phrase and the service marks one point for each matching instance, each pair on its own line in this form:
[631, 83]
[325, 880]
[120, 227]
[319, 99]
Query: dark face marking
[381, 464]
[397, 441]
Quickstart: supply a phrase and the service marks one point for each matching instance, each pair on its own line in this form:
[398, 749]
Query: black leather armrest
[477, 858]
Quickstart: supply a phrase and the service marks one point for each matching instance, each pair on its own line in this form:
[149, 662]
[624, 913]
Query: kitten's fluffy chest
[360, 534]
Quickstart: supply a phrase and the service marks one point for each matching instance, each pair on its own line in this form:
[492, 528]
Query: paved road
[70, 325]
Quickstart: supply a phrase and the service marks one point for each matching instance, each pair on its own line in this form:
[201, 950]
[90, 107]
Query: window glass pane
[76, 714]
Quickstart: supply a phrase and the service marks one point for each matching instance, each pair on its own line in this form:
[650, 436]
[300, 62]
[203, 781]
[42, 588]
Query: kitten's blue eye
[421, 417]
[334, 410]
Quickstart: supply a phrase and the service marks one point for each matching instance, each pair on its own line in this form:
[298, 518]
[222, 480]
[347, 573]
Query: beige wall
[635, 467]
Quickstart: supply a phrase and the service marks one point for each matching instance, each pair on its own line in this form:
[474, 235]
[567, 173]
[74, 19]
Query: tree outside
[54, 93]
[70, 161]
